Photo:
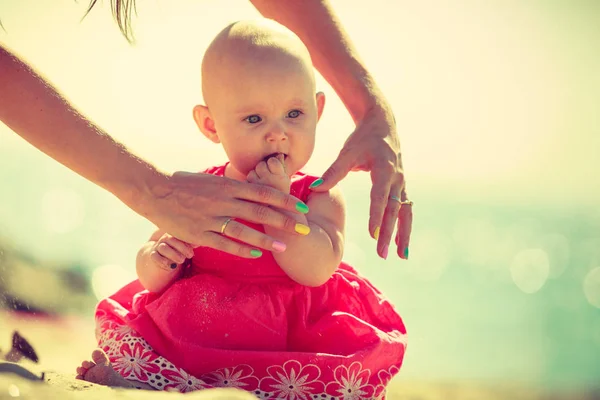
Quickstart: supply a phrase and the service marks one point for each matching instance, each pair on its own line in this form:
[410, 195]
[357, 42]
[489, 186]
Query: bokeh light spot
[591, 287]
[558, 250]
[13, 390]
[529, 269]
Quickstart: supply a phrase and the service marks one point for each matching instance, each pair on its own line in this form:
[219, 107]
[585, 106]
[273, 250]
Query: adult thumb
[338, 171]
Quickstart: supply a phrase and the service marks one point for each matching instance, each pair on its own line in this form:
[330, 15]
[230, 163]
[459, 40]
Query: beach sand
[62, 343]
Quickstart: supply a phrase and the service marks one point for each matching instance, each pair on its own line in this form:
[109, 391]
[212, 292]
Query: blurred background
[497, 104]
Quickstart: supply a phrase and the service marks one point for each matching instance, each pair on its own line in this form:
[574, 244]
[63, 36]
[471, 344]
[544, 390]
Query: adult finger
[252, 237]
[223, 243]
[388, 222]
[260, 214]
[266, 196]
[182, 247]
[405, 218]
[381, 178]
[335, 173]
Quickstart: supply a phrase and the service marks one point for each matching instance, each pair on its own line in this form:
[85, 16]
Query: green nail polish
[255, 253]
[406, 253]
[303, 208]
[316, 183]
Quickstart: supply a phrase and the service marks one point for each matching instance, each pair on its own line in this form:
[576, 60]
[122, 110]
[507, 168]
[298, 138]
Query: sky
[492, 98]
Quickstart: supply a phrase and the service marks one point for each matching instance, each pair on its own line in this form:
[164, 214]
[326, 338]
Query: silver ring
[405, 202]
[228, 220]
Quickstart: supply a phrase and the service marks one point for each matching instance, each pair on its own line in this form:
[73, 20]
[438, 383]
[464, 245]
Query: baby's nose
[276, 133]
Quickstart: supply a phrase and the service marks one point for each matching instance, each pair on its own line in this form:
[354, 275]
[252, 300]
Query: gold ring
[405, 202]
[228, 220]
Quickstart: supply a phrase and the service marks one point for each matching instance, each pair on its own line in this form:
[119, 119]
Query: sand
[62, 343]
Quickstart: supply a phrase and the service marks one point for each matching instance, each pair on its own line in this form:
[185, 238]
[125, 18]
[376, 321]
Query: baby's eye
[253, 119]
[294, 114]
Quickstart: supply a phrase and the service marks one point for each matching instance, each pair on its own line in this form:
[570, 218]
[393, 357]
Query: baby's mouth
[277, 154]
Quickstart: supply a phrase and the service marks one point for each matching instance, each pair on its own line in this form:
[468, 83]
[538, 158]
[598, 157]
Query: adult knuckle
[264, 242]
[264, 193]
[289, 223]
[235, 230]
[288, 202]
[387, 167]
[240, 250]
[261, 213]
[224, 185]
[196, 232]
[221, 242]
[378, 197]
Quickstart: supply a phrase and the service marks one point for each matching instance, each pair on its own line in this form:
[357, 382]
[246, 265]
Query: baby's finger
[170, 253]
[262, 170]
[276, 165]
[162, 262]
[182, 247]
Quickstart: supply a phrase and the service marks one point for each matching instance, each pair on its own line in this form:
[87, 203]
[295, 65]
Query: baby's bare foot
[100, 371]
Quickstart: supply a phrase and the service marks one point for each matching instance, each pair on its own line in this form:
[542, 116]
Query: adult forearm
[36, 111]
[331, 50]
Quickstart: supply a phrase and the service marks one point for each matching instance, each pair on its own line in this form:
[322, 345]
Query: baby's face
[262, 109]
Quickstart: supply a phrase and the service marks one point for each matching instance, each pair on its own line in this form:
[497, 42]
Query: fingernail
[255, 253]
[278, 246]
[303, 208]
[173, 266]
[376, 233]
[316, 183]
[302, 229]
[406, 253]
[385, 252]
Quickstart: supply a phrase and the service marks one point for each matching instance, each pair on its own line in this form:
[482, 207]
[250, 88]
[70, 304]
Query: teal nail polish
[255, 253]
[406, 253]
[316, 183]
[303, 208]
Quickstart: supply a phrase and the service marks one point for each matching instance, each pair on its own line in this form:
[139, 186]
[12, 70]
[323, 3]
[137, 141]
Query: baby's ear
[205, 123]
[320, 104]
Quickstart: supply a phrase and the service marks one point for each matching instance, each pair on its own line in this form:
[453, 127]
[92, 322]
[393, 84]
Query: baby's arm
[311, 260]
[156, 258]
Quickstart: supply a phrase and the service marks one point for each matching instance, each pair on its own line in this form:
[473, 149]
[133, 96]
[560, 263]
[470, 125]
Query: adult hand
[374, 146]
[194, 208]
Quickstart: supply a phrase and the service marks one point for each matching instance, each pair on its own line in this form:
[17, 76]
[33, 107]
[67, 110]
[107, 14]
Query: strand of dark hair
[121, 10]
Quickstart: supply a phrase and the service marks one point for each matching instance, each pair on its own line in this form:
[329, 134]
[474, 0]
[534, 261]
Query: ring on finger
[228, 220]
[405, 202]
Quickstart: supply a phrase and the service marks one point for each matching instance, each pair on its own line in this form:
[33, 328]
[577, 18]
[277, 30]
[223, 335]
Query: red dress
[244, 323]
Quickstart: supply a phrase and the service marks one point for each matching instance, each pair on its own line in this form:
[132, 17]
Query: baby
[286, 319]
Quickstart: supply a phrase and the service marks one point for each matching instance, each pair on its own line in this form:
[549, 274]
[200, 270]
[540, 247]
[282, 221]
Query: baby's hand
[169, 251]
[271, 173]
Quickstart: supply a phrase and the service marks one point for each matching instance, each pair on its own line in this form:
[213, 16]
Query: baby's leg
[100, 371]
